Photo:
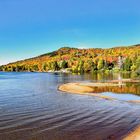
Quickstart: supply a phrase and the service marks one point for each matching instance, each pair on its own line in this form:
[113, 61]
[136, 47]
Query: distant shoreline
[74, 60]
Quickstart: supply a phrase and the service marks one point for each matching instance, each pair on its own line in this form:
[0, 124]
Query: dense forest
[81, 60]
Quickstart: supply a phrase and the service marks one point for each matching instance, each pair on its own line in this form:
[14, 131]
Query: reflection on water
[132, 88]
[32, 108]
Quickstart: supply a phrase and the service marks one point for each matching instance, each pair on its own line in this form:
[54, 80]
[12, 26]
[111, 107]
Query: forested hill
[81, 60]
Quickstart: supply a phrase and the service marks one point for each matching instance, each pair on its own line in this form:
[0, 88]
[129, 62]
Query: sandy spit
[84, 89]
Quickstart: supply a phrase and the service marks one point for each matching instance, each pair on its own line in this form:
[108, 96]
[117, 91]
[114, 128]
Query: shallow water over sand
[31, 107]
[122, 97]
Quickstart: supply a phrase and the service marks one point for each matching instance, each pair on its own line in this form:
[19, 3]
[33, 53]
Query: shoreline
[86, 89]
[133, 134]
[93, 89]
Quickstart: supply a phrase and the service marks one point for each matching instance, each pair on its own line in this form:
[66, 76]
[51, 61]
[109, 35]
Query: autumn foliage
[81, 60]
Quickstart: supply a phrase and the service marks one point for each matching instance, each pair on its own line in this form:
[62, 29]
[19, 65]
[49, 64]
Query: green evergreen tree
[127, 64]
[81, 66]
[63, 64]
[100, 64]
[44, 67]
[35, 68]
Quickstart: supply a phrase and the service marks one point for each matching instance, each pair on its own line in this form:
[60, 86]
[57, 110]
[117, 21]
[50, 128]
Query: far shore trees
[81, 60]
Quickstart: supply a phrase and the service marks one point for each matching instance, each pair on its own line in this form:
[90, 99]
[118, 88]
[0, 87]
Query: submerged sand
[134, 135]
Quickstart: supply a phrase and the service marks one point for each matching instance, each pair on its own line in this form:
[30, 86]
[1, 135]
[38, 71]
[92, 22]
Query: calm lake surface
[31, 108]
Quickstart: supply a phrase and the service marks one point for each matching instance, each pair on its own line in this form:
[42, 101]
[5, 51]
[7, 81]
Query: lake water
[31, 108]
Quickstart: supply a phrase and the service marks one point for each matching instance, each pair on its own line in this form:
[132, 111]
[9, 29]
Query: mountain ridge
[49, 53]
[73, 57]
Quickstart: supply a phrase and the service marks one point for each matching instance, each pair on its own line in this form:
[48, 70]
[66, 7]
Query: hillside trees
[100, 64]
[35, 67]
[127, 64]
[53, 66]
[63, 64]
[44, 67]
[81, 60]
[81, 66]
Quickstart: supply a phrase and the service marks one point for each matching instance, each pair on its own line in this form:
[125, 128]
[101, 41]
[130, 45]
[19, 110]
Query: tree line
[81, 60]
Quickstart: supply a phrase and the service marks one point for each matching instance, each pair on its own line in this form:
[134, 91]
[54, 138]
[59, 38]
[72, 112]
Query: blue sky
[32, 27]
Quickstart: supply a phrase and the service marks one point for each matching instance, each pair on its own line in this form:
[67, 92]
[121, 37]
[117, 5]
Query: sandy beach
[93, 89]
[84, 87]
